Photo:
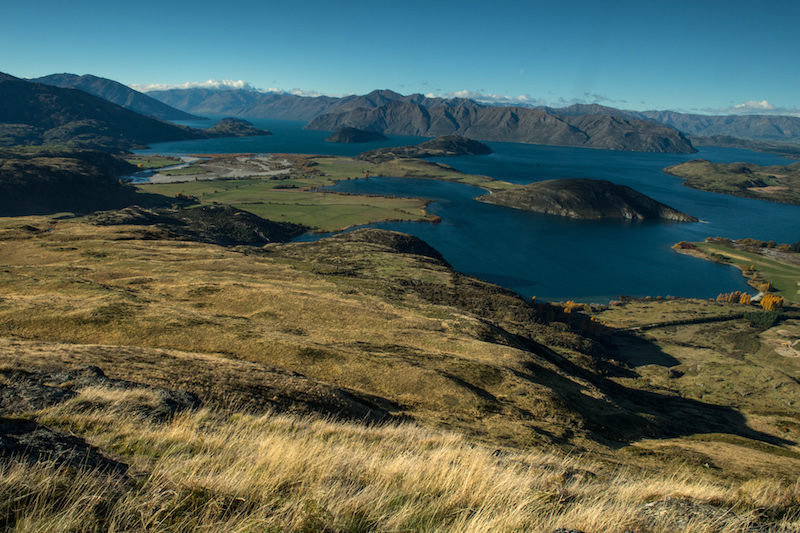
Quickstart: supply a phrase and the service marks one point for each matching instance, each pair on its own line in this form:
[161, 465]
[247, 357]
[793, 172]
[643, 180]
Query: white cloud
[219, 85]
[303, 92]
[489, 98]
[753, 107]
[227, 85]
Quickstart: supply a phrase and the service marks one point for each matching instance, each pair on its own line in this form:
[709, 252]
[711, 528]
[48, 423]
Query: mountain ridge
[34, 113]
[292, 107]
[509, 124]
[116, 93]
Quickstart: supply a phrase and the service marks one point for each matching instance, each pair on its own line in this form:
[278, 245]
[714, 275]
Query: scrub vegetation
[358, 383]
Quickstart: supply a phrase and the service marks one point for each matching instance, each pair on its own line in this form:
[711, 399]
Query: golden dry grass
[220, 320]
[83, 284]
[227, 471]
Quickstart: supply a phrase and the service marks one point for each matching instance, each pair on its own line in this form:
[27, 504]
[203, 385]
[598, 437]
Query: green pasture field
[784, 277]
[294, 198]
[418, 168]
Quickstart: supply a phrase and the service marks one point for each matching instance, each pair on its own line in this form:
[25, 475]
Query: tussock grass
[345, 317]
[229, 471]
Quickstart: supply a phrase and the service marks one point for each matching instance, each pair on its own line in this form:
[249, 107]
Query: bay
[556, 258]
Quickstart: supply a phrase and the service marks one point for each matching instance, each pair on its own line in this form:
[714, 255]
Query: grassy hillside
[374, 326]
[46, 181]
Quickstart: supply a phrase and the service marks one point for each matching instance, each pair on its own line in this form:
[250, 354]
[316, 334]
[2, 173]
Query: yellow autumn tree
[771, 302]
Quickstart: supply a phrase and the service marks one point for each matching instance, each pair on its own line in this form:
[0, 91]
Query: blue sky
[685, 55]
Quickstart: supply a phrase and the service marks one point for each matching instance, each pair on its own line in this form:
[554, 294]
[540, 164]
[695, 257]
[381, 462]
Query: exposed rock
[396, 241]
[26, 390]
[585, 198]
[680, 513]
[354, 135]
[219, 382]
[23, 391]
[29, 441]
[216, 224]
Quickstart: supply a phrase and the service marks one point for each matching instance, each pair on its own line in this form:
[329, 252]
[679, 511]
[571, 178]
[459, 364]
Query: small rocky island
[586, 199]
[234, 127]
[354, 135]
[444, 146]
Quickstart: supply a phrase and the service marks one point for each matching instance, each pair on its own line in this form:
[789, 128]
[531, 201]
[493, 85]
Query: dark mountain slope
[753, 127]
[116, 93]
[510, 124]
[52, 182]
[37, 114]
[34, 113]
[253, 104]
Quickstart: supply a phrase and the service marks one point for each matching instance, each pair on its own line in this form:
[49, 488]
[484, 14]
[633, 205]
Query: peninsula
[776, 183]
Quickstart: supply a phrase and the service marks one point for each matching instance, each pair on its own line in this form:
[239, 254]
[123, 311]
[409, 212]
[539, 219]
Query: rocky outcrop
[394, 241]
[444, 146]
[217, 224]
[116, 93]
[587, 199]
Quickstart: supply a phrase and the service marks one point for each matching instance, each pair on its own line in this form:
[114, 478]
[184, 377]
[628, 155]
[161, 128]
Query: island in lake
[354, 135]
[444, 146]
[586, 199]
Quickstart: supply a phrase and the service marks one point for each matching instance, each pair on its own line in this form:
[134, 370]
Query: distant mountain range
[775, 128]
[37, 114]
[384, 111]
[509, 124]
[119, 94]
[253, 104]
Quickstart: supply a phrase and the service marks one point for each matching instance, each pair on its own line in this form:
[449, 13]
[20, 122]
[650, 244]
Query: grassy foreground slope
[376, 326]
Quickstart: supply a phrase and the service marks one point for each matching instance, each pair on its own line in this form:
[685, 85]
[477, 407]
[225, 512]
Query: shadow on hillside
[623, 415]
[29, 441]
[78, 201]
[636, 351]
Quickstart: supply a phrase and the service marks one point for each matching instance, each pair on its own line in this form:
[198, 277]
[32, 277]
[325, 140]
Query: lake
[556, 258]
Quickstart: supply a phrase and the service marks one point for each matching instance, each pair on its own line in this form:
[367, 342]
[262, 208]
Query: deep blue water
[557, 258]
[288, 137]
